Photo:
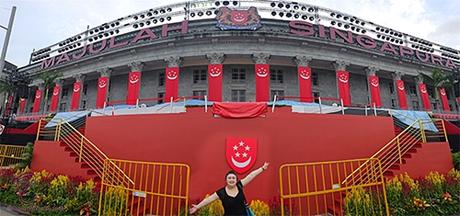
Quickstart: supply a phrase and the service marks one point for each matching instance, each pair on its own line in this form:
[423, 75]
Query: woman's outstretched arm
[253, 174]
[204, 202]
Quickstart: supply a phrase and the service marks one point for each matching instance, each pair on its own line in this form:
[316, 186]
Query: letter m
[47, 63]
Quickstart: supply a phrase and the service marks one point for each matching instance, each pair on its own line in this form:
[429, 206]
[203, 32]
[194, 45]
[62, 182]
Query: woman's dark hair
[231, 172]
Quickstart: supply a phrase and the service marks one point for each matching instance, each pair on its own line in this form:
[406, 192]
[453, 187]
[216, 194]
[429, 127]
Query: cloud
[448, 32]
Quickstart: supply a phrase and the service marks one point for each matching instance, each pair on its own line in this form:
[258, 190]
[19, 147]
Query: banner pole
[171, 105]
[341, 105]
[205, 103]
[273, 105]
[320, 108]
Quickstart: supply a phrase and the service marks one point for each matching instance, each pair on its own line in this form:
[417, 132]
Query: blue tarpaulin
[66, 116]
[408, 117]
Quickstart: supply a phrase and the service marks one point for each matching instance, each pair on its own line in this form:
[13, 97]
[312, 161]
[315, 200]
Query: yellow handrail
[10, 154]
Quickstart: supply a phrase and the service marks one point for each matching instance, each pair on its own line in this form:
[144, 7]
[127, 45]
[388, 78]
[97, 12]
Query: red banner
[401, 94]
[215, 73]
[343, 84]
[304, 77]
[239, 110]
[241, 153]
[37, 101]
[262, 82]
[102, 86]
[424, 96]
[134, 86]
[55, 98]
[9, 104]
[75, 104]
[445, 102]
[172, 83]
[375, 91]
[22, 105]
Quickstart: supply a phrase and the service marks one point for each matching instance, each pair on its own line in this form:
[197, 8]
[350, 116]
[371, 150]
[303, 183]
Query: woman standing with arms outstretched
[232, 195]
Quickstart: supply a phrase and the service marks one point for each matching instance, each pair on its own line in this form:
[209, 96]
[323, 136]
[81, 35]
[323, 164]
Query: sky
[40, 23]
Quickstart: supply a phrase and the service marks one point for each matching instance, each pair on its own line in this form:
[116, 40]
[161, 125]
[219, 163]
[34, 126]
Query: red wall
[198, 139]
[50, 156]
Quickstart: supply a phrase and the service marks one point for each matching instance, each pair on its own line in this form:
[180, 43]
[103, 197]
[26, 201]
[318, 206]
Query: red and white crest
[375, 82]
[172, 74]
[442, 91]
[214, 71]
[241, 153]
[38, 94]
[76, 87]
[240, 16]
[102, 83]
[423, 89]
[343, 77]
[401, 85]
[304, 73]
[56, 91]
[22, 99]
[262, 72]
[133, 78]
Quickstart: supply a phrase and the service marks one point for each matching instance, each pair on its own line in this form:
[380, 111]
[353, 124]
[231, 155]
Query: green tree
[48, 83]
[440, 79]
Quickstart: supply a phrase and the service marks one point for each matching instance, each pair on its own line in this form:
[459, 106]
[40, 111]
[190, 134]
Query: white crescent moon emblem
[343, 79]
[214, 72]
[55, 92]
[304, 75]
[423, 90]
[262, 72]
[133, 79]
[375, 83]
[242, 164]
[401, 87]
[38, 95]
[76, 89]
[102, 84]
[172, 77]
[443, 92]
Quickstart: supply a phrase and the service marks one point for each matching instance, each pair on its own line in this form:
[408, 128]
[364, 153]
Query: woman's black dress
[233, 205]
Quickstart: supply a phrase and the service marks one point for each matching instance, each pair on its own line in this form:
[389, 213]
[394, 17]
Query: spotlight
[281, 14]
[288, 15]
[273, 4]
[226, 3]
[273, 13]
[333, 22]
[218, 3]
[280, 5]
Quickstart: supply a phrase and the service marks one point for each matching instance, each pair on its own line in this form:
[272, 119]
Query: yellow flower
[447, 197]
[420, 203]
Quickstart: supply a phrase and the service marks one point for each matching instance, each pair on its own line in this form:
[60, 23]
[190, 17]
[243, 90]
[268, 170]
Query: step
[413, 150]
[91, 172]
[334, 211]
[395, 167]
[407, 155]
[389, 173]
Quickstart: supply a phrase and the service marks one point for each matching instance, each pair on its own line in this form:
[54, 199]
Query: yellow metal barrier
[159, 189]
[316, 189]
[11, 154]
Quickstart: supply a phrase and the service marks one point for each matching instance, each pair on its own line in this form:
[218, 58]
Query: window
[314, 78]
[391, 87]
[415, 105]
[83, 104]
[239, 95]
[161, 79]
[238, 75]
[316, 97]
[393, 103]
[160, 97]
[279, 94]
[65, 92]
[412, 90]
[62, 107]
[435, 106]
[200, 94]
[430, 91]
[85, 89]
[199, 76]
[276, 76]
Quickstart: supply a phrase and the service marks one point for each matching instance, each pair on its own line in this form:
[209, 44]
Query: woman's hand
[265, 166]
[193, 209]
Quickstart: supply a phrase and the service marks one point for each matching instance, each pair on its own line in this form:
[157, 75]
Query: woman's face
[231, 179]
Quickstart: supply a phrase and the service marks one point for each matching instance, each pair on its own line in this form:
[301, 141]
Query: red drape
[102, 86]
[22, 105]
[215, 73]
[401, 90]
[343, 84]
[75, 104]
[134, 86]
[375, 91]
[239, 110]
[445, 102]
[424, 96]
[9, 104]
[304, 77]
[262, 82]
[37, 101]
[172, 83]
[55, 98]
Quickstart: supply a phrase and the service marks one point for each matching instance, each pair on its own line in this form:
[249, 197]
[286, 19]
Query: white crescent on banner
[304, 75]
[401, 87]
[56, 92]
[261, 72]
[76, 88]
[133, 79]
[214, 72]
[38, 95]
[241, 164]
[172, 75]
[443, 92]
[102, 84]
[423, 90]
[343, 78]
[375, 83]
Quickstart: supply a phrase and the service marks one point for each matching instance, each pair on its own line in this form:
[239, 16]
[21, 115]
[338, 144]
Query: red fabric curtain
[424, 96]
[55, 98]
[102, 86]
[9, 103]
[22, 105]
[375, 91]
[134, 86]
[262, 82]
[401, 90]
[239, 110]
[343, 84]
[304, 77]
[445, 102]
[37, 101]
[75, 104]
[215, 73]
[172, 83]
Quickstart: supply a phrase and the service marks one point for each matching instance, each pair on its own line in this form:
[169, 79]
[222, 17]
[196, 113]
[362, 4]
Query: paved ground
[6, 212]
